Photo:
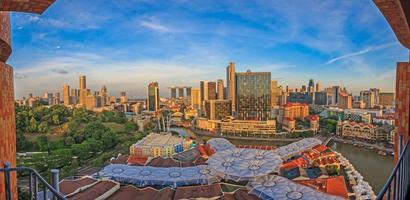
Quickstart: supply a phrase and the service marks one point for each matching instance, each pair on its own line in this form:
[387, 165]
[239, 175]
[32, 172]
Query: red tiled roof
[320, 148]
[120, 160]
[70, 186]
[139, 161]
[299, 162]
[334, 185]
[202, 191]
[95, 191]
[133, 193]
[163, 162]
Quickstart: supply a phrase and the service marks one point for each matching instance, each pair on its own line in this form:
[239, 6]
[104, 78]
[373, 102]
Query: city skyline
[344, 47]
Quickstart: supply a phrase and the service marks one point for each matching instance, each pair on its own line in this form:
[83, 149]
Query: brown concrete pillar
[402, 104]
[7, 112]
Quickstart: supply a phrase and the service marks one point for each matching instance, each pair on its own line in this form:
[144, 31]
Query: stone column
[402, 104]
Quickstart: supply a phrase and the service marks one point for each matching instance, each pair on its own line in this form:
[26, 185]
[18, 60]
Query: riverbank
[378, 148]
[213, 135]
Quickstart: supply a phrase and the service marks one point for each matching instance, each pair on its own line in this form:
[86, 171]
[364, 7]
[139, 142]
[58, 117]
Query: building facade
[153, 97]
[253, 96]
[220, 85]
[217, 109]
[230, 82]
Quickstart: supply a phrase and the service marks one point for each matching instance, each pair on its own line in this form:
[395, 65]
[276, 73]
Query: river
[375, 168]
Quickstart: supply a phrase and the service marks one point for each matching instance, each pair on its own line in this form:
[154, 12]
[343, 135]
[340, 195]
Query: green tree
[42, 142]
[129, 127]
[69, 141]
[43, 127]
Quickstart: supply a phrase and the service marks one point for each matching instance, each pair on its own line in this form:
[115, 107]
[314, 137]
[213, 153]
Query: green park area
[71, 139]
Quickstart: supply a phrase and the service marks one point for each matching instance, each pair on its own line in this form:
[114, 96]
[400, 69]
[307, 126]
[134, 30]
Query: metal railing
[397, 185]
[35, 179]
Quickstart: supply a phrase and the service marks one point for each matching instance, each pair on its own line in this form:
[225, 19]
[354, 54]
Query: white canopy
[295, 148]
[147, 175]
[279, 188]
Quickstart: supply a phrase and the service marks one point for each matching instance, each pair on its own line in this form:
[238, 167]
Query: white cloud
[361, 52]
[155, 26]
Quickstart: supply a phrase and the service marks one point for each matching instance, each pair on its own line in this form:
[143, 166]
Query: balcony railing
[397, 186]
[35, 180]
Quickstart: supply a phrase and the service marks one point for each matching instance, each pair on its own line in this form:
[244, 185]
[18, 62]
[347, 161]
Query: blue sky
[125, 44]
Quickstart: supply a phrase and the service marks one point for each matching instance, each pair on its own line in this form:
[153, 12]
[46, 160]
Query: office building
[322, 98]
[217, 109]
[188, 91]
[311, 84]
[92, 102]
[203, 86]
[335, 95]
[123, 98]
[253, 95]
[317, 87]
[376, 93]
[345, 101]
[153, 96]
[275, 93]
[220, 89]
[83, 90]
[196, 98]
[104, 96]
[211, 90]
[368, 98]
[301, 97]
[386, 98]
[181, 92]
[173, 92]
[66, 95]
[230, 83]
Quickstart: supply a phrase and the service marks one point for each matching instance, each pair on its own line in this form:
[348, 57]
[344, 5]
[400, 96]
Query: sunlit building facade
[253, 95]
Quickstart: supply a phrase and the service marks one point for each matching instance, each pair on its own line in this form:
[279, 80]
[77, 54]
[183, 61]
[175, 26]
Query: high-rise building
[311, 84]
[303, 88]
[93, 101]
[386, 98]
[49, 98]
[188, 91]
[181, 92]
[294, 111]
[203, 86]
[230, 82]
[173, 92]
[196, 98]
[368, 98]
[211, 90]
[217, 109]
[317, 87]
[345, 101]
[220, 89]
[275, 93]
[104, 96]
[335, 94]
[57, 98]
[153, 96]
[66, 95]
[253, 95]
[123, 98]
[83, 90]
[376, 93]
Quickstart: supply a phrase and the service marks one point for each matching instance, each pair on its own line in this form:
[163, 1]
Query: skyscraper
[317, 87]
[217, 109]
[230, 82]
[104, 96]
[188, 91]
[196, 98]
[335, 94]
[368, 98]
[220, 89]
[181, 92]
[153, 96]
[275, 93]
[376, 92]
[203, 86]
[211, 90]
[83, 90]
[173, 92]
[66, 95]
[311, 84]
[123, 98]
[253, 95]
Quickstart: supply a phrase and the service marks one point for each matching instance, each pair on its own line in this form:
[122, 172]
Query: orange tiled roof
[134, 160]
[334, 185]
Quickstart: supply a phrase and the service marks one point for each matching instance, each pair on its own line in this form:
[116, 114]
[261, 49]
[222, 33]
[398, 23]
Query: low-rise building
[248, 127]
[364, 131]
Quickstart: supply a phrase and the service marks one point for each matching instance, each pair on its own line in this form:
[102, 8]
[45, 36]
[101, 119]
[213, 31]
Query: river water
[375, 168]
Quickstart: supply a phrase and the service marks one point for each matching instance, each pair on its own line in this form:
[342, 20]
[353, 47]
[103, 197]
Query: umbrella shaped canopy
[295, 148]
[147, 176]
[279, 188]
[220, 144]
[244, 164]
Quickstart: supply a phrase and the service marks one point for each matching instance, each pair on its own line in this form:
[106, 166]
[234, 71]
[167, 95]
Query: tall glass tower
[253, 95]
